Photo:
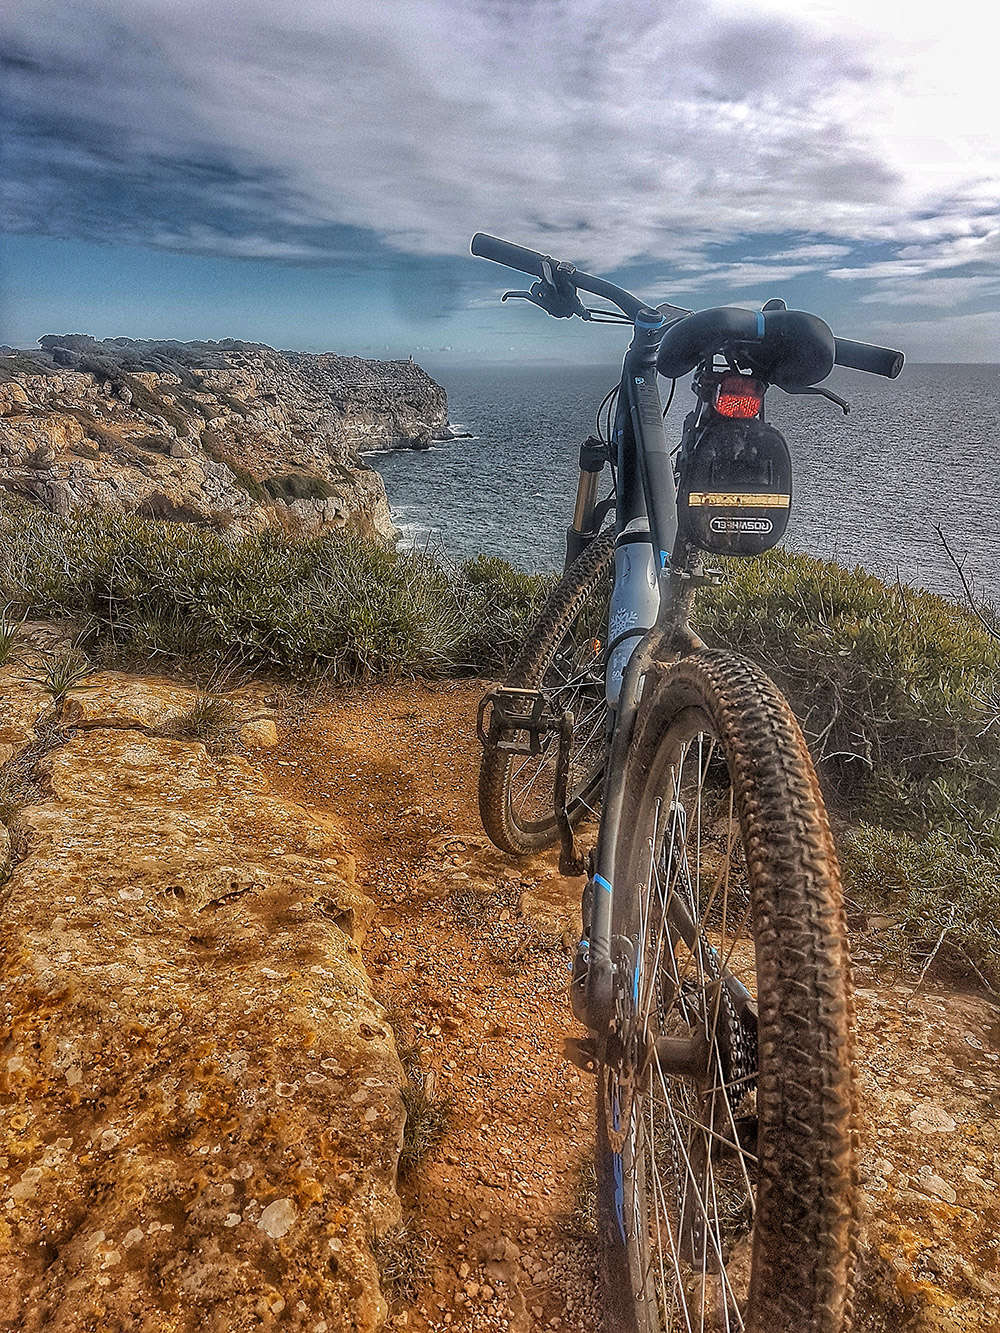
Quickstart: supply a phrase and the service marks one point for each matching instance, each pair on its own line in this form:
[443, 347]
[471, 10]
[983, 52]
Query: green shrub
[501, 602]
[299, 486]
[937, 890]
[23, 363]
[898, 691]
[326, 606]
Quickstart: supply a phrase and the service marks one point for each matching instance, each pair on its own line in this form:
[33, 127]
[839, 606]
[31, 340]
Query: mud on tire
[793, 1116]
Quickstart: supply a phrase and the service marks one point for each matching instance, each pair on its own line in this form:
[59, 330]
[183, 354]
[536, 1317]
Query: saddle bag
[734, 490]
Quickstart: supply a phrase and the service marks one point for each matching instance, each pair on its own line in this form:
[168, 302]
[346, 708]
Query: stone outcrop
[930, 1165]
[200, 1107]
[378, 404]
[228, 433]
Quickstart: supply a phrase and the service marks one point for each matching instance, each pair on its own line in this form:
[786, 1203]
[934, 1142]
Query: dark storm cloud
[331, 130]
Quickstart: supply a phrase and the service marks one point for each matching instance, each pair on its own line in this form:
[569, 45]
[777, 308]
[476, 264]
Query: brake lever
[555, 293]
[521, 296]
[824, 393]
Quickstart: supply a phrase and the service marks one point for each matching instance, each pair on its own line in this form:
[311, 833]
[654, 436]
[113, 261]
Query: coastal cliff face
[228, 433]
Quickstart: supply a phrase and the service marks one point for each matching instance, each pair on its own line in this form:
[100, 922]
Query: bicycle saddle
[789, 348]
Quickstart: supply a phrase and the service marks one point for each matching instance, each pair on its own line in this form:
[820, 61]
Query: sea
[914, 454]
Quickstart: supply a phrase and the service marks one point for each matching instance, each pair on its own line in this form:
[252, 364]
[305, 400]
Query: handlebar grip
[505, 252]
[867, 356]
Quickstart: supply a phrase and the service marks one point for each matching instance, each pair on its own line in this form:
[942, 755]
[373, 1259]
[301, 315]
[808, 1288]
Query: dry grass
[211, 718]
[402, 1256]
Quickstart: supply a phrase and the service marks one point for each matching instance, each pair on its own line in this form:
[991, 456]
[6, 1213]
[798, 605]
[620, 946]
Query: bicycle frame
[656, 609]
[646, 512]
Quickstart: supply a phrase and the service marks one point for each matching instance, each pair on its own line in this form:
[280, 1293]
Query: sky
[309, 175]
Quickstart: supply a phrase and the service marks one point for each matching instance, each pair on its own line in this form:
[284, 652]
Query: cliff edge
[230, 433]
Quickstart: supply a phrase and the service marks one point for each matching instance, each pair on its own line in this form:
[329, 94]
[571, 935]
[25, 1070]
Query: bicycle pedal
[515, 713]
[708, 578]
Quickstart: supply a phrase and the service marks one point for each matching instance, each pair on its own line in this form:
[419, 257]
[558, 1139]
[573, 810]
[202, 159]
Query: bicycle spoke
[700, 1213]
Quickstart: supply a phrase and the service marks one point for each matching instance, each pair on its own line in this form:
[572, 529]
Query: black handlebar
[505, 252]
[867, 356]
[855, 355]
[530, 261]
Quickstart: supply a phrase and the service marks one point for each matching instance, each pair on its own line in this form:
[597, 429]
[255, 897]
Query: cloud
[732, 276]
[935, 339]
[611, 133]
[813, 253]
[941, 292]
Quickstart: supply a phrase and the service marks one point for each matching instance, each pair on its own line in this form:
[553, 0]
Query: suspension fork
[587, 514]
[591, 990]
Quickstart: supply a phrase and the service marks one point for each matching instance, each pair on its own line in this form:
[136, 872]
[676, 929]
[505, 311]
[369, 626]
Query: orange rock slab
[200, 1109]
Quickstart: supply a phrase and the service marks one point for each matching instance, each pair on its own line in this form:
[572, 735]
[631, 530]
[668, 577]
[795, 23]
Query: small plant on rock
[427, 1112]
[210, 718]
[11, 802]
[8, 637]
[62, 672]
[427, 1117]
[402, 1256]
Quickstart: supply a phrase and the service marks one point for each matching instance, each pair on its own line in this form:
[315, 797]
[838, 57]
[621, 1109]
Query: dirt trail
[468, 952]
[467, 955]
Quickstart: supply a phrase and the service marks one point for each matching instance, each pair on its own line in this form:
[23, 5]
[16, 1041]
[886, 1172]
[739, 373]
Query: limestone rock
[200, 1098]
[24, 702]
[112, 700]
[239, 435]
[930, 1162]
[260, 733]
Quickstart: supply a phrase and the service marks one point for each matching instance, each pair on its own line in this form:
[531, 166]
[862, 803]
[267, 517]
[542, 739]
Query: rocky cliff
[226, 433]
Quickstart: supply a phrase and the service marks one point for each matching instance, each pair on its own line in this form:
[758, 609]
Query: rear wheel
[726, 1103]
[563, 657]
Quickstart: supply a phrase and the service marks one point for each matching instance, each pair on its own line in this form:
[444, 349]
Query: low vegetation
[60, 672]
[428, 1111]
[898, 691]
[9, 636]
[402, 1256]
[928, 897]
[299, 486]
[320, 607]
[211, 718]
[427, 1118]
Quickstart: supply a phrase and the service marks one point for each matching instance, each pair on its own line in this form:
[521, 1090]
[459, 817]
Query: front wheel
[726, 1103]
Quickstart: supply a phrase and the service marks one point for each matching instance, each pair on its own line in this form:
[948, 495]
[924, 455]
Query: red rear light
[738, 396]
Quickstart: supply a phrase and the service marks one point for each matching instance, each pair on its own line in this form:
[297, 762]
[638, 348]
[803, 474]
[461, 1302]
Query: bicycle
[713, 967]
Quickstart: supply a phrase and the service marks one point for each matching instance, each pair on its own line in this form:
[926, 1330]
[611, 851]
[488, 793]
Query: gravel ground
[469, 954]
